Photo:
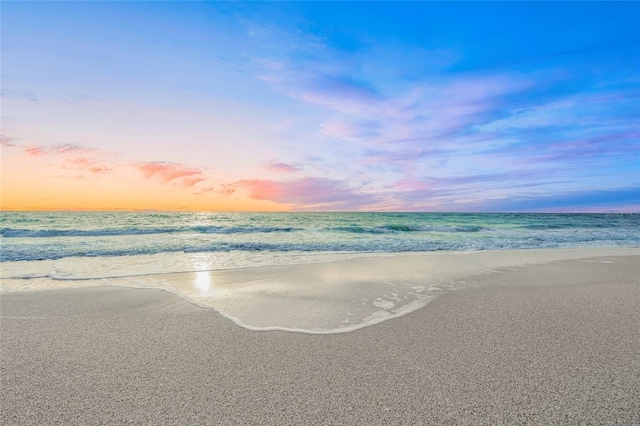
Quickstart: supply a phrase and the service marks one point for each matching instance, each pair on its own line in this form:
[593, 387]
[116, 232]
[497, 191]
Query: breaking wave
[43, 233]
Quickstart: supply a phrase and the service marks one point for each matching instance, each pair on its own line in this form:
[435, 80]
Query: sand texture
[556, 343]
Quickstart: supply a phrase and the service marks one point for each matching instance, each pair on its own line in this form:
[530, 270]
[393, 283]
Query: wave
[355, 229]
[536, 227]
[60, 252]
[584, 224]
[48, 233]
[219, 246]
[387, 246]
[406, 228]
[44, 233]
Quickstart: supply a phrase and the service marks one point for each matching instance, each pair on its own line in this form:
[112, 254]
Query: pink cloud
[225, 189]
[95, 161]
[168, 172]
[72, 156]
[306, 193]
[191, 182]
[259, 189]
[86, 164]
[35, 151]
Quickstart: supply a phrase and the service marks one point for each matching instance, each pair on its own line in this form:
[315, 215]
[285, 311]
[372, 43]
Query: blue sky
[416, 106]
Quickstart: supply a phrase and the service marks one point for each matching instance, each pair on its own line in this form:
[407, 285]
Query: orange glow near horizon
[34, 183]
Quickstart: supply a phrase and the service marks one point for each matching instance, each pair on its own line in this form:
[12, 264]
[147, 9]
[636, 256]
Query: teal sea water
[73, 245]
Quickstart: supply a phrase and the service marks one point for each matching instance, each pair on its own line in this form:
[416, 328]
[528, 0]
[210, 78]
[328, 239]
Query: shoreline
[336, 296]
[544, 344]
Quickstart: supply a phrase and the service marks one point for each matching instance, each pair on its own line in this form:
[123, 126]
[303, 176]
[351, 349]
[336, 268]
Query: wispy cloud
[441, 131]
[513, 128]
[341, 92]
[168, 172]
[70, 156]
[193, 181]
[57, 149]
[5, 142]
[598, 148]
[95, 161]
[594, 110]
[279, 167]
[86, 164]
[308, 193]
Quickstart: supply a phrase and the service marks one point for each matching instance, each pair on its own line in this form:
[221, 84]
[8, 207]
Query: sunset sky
[419, 106]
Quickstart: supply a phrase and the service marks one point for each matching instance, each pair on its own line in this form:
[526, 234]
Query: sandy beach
[303, 213]
[554, 343]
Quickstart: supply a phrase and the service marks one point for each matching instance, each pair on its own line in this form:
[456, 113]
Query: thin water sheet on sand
[336, 296]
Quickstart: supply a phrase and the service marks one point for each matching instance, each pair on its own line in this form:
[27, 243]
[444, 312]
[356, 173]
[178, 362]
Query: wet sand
[555, 343]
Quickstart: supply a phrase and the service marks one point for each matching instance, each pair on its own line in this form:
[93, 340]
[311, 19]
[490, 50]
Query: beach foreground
[541, 344]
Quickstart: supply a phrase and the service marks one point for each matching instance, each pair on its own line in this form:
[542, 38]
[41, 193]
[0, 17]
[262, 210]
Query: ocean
[303, 272]
[78, 245]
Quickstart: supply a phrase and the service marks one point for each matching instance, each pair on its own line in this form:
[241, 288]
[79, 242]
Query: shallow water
[309, 272]
[112, 244]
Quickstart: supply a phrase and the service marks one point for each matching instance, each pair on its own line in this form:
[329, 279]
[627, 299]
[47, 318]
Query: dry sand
[557, 343]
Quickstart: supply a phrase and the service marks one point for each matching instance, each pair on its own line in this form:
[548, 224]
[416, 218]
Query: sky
[321, 106]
